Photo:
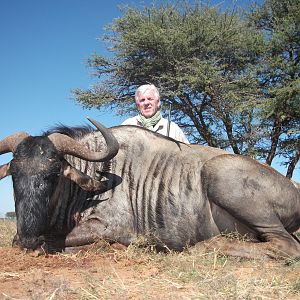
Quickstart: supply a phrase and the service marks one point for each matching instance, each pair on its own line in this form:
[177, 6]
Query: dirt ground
[122, 274]
[27, 276]
[86, 275]
[113, 272]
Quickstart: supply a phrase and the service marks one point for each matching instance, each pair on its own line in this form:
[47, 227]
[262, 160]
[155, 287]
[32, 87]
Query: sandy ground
[85, 275]
[119, 274]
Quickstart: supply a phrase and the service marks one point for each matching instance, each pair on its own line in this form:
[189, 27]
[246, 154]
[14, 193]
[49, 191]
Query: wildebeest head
[37, 164]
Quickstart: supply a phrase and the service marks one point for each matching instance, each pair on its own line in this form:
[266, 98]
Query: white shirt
[162, 127]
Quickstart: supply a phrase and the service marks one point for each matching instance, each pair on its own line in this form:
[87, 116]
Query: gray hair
[146, 87]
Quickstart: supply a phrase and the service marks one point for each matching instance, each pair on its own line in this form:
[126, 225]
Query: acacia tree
[200, 58]
[10, 215]
[279, 76]
[209, 63]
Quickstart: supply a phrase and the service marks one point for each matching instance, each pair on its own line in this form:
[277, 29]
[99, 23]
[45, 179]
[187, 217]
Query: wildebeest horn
[4, 170]
[84, 181]
[10, 143]
[70, 146]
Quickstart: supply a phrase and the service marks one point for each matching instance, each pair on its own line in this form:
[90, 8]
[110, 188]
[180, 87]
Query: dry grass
[193, 276]
[104, 272]
[7, 231]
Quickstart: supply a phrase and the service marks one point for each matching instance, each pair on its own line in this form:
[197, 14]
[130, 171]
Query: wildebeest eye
[39, 185]
[51, 159]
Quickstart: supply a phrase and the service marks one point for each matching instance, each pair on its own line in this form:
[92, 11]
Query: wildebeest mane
[161, 136]
[75, 132]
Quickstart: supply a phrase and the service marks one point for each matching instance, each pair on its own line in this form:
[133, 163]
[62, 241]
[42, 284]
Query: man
[148, 103]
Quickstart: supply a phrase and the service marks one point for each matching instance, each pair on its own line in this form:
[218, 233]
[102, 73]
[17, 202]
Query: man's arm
[177, 133]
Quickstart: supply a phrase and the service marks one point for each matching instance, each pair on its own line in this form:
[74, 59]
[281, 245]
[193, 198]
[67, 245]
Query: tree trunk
[274, 140]
[292, 164]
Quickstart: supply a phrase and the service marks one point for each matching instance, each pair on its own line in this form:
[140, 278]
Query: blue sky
[43, 49]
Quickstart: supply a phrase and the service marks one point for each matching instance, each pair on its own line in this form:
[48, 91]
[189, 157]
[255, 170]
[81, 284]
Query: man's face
[148, 103]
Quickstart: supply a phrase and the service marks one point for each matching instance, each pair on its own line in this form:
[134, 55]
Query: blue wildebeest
[73, 186]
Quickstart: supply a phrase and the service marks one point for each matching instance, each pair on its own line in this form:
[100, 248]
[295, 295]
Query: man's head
[147, 100]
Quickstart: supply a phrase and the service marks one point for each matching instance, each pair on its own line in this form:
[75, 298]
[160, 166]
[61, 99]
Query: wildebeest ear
[4, 170]
[84, 181]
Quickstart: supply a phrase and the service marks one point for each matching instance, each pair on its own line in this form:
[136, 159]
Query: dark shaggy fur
[73, 132]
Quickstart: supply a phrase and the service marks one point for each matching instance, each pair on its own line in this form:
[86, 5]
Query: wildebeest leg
[286, 245]
[84, 234]
[269, 229]
[233, 247]
[92, 231]
[276, 239]
[258, 197]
